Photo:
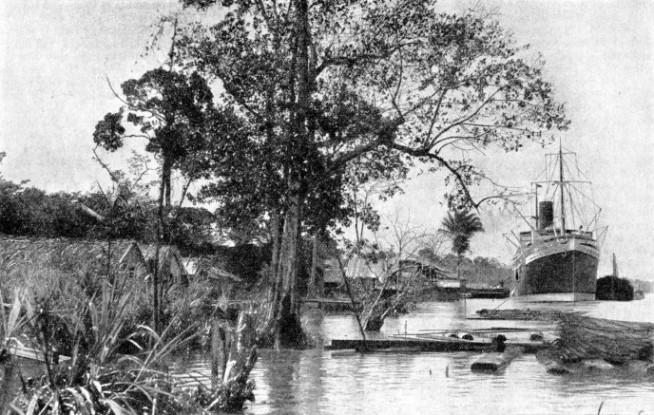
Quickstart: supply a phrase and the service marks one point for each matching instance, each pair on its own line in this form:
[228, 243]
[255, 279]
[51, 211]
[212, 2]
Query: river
[314, 382]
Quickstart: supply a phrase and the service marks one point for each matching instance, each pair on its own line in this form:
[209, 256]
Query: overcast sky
[55, 57]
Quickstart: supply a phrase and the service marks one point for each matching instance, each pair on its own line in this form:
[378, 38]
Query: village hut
[40, 258]
[367, 272]
[171, 264]
[425, 272]
[329, 278]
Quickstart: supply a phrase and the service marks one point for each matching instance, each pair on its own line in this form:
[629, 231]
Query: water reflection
[314, 382]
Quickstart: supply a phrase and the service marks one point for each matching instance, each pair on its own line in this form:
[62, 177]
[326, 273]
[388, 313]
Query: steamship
[556, 259]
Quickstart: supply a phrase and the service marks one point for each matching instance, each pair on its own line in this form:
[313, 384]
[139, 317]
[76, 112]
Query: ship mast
[561, 188]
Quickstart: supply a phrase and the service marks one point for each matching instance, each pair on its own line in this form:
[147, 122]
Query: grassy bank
[117, 364]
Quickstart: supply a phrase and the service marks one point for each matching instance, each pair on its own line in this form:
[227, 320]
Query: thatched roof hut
[69, 255]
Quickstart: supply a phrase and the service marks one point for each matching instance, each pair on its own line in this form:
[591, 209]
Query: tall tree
[322, 84]
[460, 226]
[171, 111]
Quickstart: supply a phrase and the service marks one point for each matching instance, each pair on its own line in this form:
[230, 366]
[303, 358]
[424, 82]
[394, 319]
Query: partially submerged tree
[321, 84]
[459, 226]
[401, 280]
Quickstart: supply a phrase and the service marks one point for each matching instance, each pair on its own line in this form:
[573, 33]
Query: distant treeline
[481, 270]
[645, 286]
[31, 212]
[477, 270]
[28, 211]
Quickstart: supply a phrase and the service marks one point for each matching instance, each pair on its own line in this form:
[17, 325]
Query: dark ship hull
[564, 272]
[554, 262]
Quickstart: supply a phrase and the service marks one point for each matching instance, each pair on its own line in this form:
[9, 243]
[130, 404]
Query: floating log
[494, 362]
[491, 362]
[597, 365]
[344, 353]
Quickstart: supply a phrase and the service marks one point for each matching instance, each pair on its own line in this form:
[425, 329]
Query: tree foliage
[460, 226]
[171, 111]
[321, 85]
[384, 79]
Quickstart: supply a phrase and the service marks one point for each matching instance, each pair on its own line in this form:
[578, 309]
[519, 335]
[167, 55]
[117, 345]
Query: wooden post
[462, 292]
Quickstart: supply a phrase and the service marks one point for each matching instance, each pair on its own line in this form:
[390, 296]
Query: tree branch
[422, 152]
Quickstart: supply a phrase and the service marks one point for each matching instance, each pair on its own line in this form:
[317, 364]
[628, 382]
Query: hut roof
[359, 267]
[331, 271]
[66, 254]
[442, 271]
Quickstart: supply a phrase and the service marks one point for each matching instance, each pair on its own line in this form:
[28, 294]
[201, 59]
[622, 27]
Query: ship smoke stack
[545, 214]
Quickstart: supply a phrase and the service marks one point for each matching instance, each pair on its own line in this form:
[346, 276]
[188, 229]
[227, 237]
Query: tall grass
[118, 364]
[91, 318]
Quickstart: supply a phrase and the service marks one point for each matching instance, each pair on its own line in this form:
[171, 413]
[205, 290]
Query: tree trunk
[313, 289]
[353, 303]
[288, 331]
[166, 179]
[155, 271]
[288, 328]
[373, 322]
[373, 319]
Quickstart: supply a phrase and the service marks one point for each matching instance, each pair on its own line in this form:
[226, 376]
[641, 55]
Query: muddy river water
[315, 382]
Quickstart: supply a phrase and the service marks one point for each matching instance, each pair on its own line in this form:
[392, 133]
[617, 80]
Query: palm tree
[459, 226]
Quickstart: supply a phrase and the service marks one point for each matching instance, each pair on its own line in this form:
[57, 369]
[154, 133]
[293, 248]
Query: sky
[56, 59]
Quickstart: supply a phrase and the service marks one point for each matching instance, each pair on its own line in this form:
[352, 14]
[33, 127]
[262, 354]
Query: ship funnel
[545, 214]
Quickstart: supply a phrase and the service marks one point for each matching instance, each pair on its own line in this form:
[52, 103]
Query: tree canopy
[460, 226]
[322, 85]
[381, 80]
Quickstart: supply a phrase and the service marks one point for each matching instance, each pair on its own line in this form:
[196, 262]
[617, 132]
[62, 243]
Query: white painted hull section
[555, 247]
